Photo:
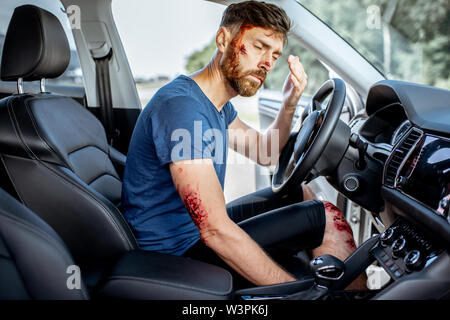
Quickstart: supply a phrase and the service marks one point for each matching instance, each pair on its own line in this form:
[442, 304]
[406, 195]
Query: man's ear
[223, 39]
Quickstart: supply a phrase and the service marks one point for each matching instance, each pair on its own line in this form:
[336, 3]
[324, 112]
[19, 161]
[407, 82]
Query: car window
[73, 75]
[404, 40]
[160, 36]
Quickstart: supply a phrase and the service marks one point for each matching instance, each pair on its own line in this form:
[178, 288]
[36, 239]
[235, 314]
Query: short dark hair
[258, 14]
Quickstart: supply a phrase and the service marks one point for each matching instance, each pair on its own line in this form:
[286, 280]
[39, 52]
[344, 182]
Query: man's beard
[240, 81]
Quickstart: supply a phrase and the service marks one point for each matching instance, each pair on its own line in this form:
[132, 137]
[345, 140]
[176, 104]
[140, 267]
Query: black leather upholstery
[34, 264]
[55, 152]
[35, 46]
[118, 160]
[151, 275]
[33, 258]
[56, 155]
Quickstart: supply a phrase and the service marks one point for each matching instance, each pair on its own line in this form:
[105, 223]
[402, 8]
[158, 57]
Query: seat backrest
[34, 261]
[53, 150]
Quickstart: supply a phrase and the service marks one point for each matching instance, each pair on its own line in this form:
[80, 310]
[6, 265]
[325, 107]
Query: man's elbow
[214, 234]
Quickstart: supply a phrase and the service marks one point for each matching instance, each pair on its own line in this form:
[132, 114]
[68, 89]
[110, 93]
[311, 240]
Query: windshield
[404, 39]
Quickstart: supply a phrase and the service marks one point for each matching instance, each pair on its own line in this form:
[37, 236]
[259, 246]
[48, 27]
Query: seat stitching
[101, 175]
[138, 279]
[12, 259]
[35, 127]
[31, 228]
[86, 146]
[65, 180]
[13, 119]
[55, 98]
[52, 241]
[92, 197]
[10, 178]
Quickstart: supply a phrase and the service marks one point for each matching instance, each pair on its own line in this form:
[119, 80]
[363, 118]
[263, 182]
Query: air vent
[399, 154]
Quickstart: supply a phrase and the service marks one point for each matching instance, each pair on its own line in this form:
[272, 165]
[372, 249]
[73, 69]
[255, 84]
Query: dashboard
[407, 132]
[413, 121]
[419, 166]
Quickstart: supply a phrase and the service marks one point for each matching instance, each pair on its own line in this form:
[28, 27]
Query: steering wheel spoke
[305, 147]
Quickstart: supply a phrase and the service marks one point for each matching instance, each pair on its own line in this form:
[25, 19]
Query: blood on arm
[197, 211]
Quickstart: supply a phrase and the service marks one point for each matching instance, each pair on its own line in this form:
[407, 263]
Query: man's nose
[266, 65]
[266, 62]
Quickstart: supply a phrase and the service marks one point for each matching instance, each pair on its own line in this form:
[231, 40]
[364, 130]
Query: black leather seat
[56, 160]
[54, 153]
[33, 259]
[36, 264]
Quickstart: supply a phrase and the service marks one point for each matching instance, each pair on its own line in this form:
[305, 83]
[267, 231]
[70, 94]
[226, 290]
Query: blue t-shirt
[178, 123]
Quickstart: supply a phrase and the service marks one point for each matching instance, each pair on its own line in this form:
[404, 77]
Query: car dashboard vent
[399, 154]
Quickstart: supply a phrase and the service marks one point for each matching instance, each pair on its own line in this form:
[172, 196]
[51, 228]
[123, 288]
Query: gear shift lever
[327, 270]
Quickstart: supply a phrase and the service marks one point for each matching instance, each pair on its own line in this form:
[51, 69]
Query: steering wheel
[306, 143]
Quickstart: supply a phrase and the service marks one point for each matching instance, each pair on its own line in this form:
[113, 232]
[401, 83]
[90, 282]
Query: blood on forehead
[237, 41]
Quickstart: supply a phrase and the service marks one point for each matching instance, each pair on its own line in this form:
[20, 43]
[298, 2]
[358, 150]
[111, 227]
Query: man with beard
[174, 177]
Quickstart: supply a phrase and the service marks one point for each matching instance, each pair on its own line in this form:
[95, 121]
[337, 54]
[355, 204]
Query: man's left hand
[295, 83]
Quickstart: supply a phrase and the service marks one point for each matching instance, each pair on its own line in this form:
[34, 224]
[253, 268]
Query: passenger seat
[54, 152]
[33, 259]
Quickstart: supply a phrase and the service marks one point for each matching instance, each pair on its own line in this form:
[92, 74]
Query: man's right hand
[201, 193]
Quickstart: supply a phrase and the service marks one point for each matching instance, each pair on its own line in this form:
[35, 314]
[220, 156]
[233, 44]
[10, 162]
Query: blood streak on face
[243, 50]
[237, 47]
[340, 223]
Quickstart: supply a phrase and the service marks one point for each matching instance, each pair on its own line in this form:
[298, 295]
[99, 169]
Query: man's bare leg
[338, 237]
[338, 241]
[308, 194]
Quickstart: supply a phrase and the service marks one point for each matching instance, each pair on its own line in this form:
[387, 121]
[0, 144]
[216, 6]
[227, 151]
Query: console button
[387, 237]
[393, 267]
[414, 260]
[384, 257]
[351, 183]
[398, 273]
[399, 248]
[401, 181]
[388, 263]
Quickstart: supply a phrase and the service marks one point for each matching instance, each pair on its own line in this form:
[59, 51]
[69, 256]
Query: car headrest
[35, 46]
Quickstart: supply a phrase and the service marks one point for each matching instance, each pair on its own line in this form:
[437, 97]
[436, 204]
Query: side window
[73, 75]
[159, 37]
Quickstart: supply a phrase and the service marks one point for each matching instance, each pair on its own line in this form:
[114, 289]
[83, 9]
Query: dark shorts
[281, 225]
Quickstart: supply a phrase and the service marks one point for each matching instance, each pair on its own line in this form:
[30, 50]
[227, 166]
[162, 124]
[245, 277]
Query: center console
[403, 250]
[418, 267]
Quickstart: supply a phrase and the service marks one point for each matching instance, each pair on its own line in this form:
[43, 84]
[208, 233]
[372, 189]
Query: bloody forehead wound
[256, 14]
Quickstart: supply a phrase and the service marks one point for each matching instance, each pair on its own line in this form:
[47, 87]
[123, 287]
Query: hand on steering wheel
[306, 144]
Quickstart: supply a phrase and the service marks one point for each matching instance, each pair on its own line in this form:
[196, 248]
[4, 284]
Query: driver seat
[54, 153]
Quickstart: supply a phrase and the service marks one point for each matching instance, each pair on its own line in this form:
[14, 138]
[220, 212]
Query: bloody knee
[339, 223]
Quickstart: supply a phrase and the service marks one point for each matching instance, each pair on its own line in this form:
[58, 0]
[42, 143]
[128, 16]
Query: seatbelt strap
[102, 56]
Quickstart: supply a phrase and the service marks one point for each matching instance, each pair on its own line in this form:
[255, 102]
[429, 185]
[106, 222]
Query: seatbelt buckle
[102, 52]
